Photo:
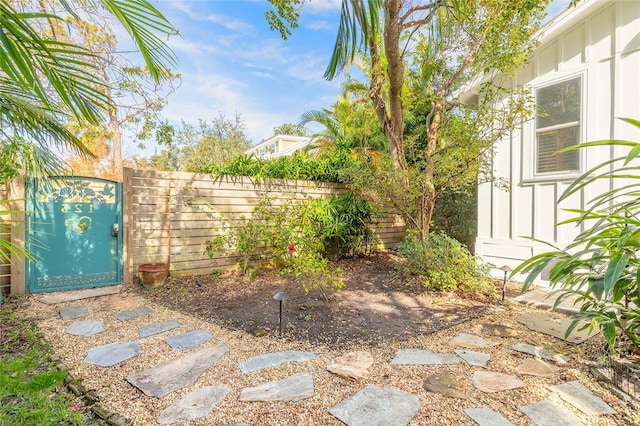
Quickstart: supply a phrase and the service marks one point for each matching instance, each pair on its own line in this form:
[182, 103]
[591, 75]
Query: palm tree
[45, 81]
[350, 123]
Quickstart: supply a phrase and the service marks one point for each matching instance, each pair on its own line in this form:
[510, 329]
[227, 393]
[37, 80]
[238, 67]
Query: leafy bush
[343, 221]
[601, 265]
[298, 235]
[246, 236]
[442, 263]
[326, 167]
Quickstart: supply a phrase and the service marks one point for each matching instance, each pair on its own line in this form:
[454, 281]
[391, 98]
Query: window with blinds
[558, 126]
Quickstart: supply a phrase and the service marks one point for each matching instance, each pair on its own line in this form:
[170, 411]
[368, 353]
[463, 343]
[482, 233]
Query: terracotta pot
[153, 274]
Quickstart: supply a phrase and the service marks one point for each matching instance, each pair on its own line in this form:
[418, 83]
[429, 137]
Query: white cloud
[227, 22]
[320, 25]
[322, 6]
[186, 46]
[220, 94]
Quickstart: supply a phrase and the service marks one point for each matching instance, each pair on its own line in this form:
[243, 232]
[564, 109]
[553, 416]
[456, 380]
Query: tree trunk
[395, 71]
[391, 118]
[427, 201]
[116, 146]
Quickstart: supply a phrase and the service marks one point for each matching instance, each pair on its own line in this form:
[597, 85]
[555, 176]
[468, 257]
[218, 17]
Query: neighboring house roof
[279, 146]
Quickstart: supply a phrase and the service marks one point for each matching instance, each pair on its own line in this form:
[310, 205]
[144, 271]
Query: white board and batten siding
[598, 43]
[171, 214]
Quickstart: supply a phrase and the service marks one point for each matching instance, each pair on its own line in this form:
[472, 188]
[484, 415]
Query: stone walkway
[372, 405]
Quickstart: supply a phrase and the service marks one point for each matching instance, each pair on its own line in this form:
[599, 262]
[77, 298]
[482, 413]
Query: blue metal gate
[73, 234]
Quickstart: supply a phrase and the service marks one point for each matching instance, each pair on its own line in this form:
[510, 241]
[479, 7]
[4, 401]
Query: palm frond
[143, 21]
[359, 23]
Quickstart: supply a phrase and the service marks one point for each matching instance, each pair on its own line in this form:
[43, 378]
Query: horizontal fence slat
[174, 213]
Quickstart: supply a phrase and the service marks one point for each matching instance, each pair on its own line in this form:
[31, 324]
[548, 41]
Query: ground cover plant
[31, 387]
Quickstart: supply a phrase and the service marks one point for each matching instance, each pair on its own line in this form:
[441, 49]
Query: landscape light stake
[506, 270]
[280, 296]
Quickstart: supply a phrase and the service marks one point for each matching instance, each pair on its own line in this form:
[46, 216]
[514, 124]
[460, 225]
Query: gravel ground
[118, 396]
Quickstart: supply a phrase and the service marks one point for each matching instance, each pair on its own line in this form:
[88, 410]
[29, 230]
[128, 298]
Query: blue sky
[230, 61]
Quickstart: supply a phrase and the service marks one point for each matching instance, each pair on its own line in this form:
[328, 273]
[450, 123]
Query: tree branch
[433, 7]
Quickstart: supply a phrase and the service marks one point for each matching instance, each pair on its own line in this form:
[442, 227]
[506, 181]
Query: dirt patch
[375, 306]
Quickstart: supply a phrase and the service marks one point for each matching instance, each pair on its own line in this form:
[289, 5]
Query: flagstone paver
[580, 397]
[472, 341]
[130, 314]
[86, 328]
[70, 296]
[540, 352]
[423, 357]
[188, 340]
[157, 328]
[112, 354]
[444, 383]
[194, 405]
[69, 313]
[490, 381]
[499, 330]
[487, 417]
[373, 405]
[178, 373]
[476, 359]
[548, 413]
[377, 406]
[537, 367]
[293, 388]
[555, 325]
[544, 299]
[276, 358]
[353, 365]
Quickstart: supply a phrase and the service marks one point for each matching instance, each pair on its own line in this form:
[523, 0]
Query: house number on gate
[76, 208]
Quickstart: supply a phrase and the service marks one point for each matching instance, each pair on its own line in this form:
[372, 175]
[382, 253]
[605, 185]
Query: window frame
[530, 164]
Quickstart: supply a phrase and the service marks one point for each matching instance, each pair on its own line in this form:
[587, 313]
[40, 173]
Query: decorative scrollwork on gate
[80, 191]
[76, 280]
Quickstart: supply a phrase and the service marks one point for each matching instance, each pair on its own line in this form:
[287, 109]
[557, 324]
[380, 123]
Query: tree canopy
[192, 148]
[47, 81]
[419, 55]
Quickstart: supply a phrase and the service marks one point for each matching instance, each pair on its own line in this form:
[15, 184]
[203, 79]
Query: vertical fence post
[127, 225]
[18, 229]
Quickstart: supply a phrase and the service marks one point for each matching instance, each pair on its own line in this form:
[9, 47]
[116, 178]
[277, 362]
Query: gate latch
[115, 228]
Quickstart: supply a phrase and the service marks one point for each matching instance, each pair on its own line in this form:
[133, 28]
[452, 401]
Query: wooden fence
[5, 235]
[169, 215]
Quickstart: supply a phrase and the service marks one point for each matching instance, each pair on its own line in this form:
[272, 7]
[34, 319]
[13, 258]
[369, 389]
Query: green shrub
[343, 221]
[443, 264]
[326, 167]
[287, 233]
